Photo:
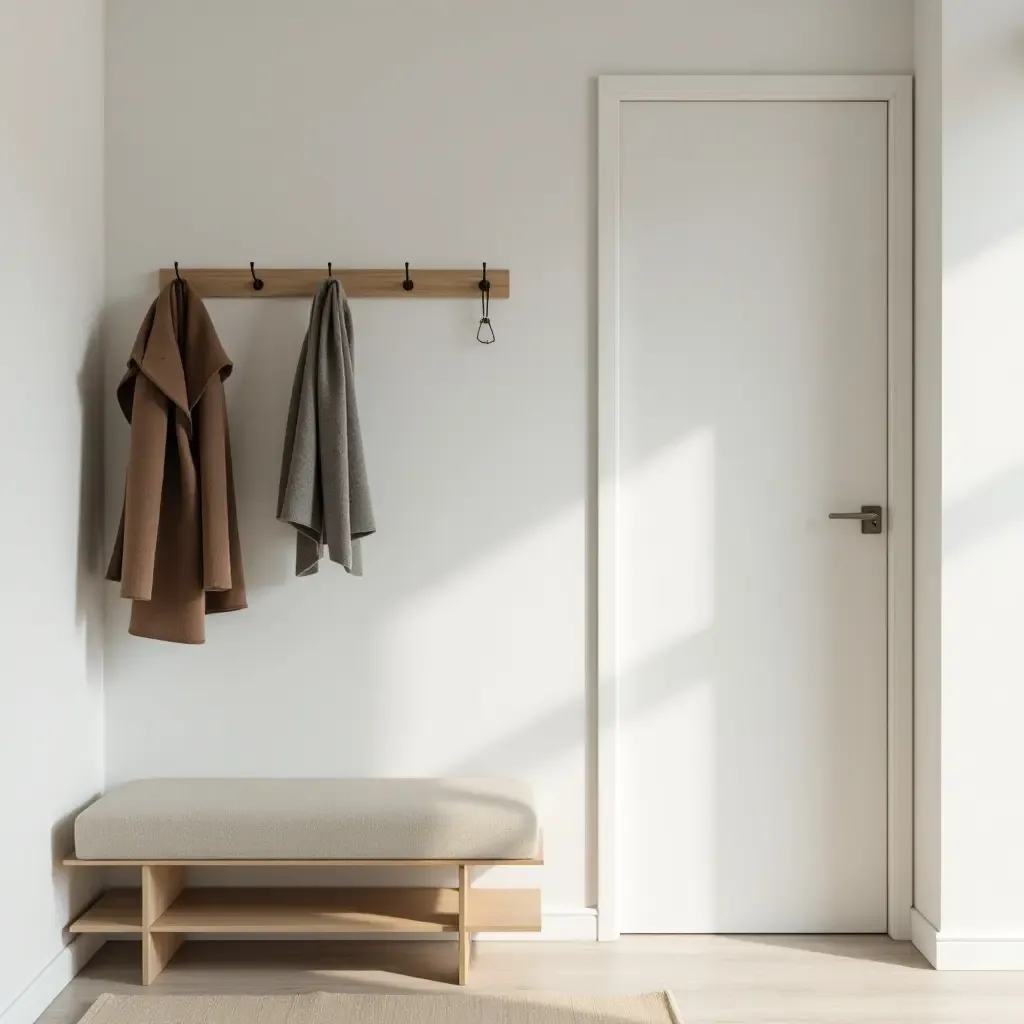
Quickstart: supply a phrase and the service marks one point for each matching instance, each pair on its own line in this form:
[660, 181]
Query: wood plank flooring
[716, 980]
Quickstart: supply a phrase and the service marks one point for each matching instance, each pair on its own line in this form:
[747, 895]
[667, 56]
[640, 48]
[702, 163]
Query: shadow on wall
[74, 889]
[89, 587]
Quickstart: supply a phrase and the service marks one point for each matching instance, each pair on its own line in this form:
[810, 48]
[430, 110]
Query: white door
[752, 628]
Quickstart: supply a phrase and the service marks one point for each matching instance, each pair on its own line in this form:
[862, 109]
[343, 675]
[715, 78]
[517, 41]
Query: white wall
[51, 634]
[443, 134]
[982, 468]
[970, 479]
[928, 457]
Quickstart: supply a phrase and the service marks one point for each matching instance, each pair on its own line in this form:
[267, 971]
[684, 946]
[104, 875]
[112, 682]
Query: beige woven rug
[333, 1008]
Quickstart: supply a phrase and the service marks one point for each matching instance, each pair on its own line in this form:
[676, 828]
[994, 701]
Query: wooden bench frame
[163, 911]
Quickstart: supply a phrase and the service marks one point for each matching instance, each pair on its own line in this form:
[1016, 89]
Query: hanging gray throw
[324, 492]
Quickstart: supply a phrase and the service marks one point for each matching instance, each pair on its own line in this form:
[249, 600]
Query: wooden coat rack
[277, 283]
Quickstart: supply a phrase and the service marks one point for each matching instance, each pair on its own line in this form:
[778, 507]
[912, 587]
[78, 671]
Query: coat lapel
[178, 350]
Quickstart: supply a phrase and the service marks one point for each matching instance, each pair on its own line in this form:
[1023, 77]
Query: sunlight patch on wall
[455, 641]
[983, 369]
[667, 548]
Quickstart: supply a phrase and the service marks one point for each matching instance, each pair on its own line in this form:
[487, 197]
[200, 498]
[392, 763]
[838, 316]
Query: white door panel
[752, 629]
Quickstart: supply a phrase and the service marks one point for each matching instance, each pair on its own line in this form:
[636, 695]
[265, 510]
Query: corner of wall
[923, 935]
[51, 981]
[927, 459]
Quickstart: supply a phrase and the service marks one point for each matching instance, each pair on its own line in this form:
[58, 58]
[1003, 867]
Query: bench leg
[465, 938]
[157, 951]
[160, 887]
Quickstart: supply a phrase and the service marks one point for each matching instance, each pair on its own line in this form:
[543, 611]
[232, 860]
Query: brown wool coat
[177, 554]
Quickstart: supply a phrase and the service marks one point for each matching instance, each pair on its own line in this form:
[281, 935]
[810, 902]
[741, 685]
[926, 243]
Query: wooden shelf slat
[301, 282]
[116, 911]
[314, 910]
[369, 910]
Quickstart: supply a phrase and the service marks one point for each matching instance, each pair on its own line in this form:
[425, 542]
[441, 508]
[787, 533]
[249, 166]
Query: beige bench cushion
[310, 819]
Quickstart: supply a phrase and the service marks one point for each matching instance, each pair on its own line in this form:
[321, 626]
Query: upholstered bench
[165, 826]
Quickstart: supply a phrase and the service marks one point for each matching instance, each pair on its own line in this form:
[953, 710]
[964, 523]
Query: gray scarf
[324, 492]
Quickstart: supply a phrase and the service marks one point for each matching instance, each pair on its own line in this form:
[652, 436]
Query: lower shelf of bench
[314, 910]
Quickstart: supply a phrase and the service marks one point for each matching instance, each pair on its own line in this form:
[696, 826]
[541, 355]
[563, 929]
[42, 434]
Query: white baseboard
[948, 950]
[978, 954]
[50, 982]
[558, 924]
[923, 935]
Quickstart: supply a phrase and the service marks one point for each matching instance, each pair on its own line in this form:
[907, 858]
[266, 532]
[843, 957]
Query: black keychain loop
[486, 327]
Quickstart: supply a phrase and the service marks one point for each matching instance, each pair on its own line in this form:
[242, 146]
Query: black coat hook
[407, 283]
[485, 332]
[330, 273]
[176, 274]
[257, 284]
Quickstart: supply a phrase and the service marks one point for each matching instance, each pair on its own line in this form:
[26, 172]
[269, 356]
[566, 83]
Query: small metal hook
[481, 333]
[176, 274]
[257, 284]
[330, 273]
[485, 309]
[407, 283]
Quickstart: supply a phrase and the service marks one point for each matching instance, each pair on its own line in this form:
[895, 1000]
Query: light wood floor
[716, 980]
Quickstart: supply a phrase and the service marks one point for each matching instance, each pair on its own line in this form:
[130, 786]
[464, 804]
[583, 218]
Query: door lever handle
[870, 517]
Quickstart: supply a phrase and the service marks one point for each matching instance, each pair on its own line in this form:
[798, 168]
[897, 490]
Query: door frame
[897, 92]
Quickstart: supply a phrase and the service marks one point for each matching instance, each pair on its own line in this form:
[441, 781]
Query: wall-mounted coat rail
[238, 283]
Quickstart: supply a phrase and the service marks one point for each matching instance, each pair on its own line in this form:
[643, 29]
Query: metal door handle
[870, 517]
